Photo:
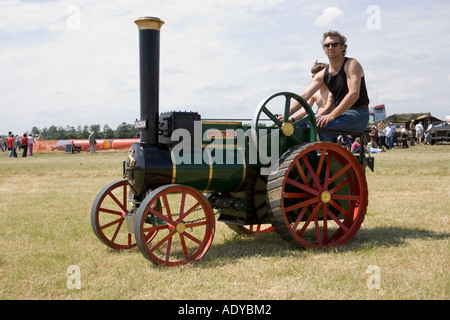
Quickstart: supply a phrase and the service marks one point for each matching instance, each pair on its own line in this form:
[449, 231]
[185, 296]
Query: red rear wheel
[323, 194]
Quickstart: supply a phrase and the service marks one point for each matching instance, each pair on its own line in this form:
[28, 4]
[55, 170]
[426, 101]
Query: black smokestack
[149, 30]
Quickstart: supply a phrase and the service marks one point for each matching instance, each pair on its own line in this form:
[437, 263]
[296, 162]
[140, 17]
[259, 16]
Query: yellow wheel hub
[325, 196]
[181, 227]
[287, 129]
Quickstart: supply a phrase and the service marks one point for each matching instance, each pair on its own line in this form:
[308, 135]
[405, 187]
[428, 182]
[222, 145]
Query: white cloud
[219, 58]
[330, 18]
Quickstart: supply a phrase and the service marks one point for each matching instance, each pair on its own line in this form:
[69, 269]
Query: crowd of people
[384, 136]
[18, 144]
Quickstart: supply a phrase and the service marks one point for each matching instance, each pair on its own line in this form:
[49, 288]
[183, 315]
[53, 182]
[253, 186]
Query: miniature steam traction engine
[185, 170]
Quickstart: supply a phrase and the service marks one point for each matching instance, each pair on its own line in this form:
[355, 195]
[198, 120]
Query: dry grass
[45, 228]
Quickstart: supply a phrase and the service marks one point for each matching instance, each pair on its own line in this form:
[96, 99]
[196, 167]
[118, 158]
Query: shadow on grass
[395, 236]
[271, 245]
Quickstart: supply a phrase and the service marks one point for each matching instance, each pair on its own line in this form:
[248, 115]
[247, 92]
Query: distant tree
[52, 133]
[35, 131]
[95, 128]
[125, 131]
[107, 133]
[85, 133]
[71, 132]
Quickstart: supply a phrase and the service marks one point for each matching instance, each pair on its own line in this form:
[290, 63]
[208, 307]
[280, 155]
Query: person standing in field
[92, 142]
[412, 128]
[419, 133]
[30, 144]
[11, 146]
[404, 135]
[24, 143]
[374, 136]
[428, 133]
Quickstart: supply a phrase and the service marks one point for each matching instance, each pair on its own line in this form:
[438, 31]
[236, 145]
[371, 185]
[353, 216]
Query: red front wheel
[174, 225]
[109, 212]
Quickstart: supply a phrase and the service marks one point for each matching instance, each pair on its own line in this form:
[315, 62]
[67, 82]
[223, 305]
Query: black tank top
[338, 87]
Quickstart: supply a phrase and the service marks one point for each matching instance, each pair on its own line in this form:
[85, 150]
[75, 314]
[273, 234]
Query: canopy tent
[406, 118]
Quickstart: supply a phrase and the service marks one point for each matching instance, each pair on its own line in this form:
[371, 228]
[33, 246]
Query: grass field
[45, 231]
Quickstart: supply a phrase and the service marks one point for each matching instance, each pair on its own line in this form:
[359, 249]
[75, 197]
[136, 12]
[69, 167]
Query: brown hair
[318, 66]
[342, 39]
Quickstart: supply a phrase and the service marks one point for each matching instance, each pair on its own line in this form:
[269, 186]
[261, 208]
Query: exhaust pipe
[149, 47]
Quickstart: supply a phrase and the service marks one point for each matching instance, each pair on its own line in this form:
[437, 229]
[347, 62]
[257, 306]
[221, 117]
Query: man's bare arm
[306, 95]
[354, 73]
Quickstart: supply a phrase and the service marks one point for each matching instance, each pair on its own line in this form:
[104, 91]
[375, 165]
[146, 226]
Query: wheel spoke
[196, 224]
[338, 207]
[294, 195]
[120, 204]
[168, 248]
[327, 172]
[325, 222]
[252, 228]
[339, 222]
[117, 231]
[182, 203]
[119, 213]
[345, 197]
[321, 160]
[299, 219]
[303, 120]
[271, 116]
[316, 226]
[308, 221]
[161, 216]
[118, 221]
[338, 187]
[184, 246]
[302, 173]
[302, 186]
[195, 206]
[162, 241]
[287, 107]
[167, 206]
[191, 237]
[339, 173]
[302, 204]
[313, 174]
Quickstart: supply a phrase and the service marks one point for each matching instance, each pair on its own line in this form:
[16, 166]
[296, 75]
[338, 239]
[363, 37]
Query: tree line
[123, 131]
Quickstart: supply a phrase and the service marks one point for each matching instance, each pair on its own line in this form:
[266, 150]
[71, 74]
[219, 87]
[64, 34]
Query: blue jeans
[390, 142]
[352, 120]
[13, 153]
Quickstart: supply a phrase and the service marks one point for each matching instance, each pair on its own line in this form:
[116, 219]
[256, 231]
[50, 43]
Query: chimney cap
[149, 23]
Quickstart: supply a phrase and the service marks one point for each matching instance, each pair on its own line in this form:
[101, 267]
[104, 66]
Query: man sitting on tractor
[347, 108]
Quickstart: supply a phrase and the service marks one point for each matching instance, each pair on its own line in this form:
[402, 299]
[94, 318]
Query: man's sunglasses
[331, 44]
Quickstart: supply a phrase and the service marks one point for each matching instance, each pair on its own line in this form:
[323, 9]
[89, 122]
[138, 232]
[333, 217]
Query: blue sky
[75, 62]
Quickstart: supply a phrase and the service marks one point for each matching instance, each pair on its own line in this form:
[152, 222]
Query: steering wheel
[266, 117]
